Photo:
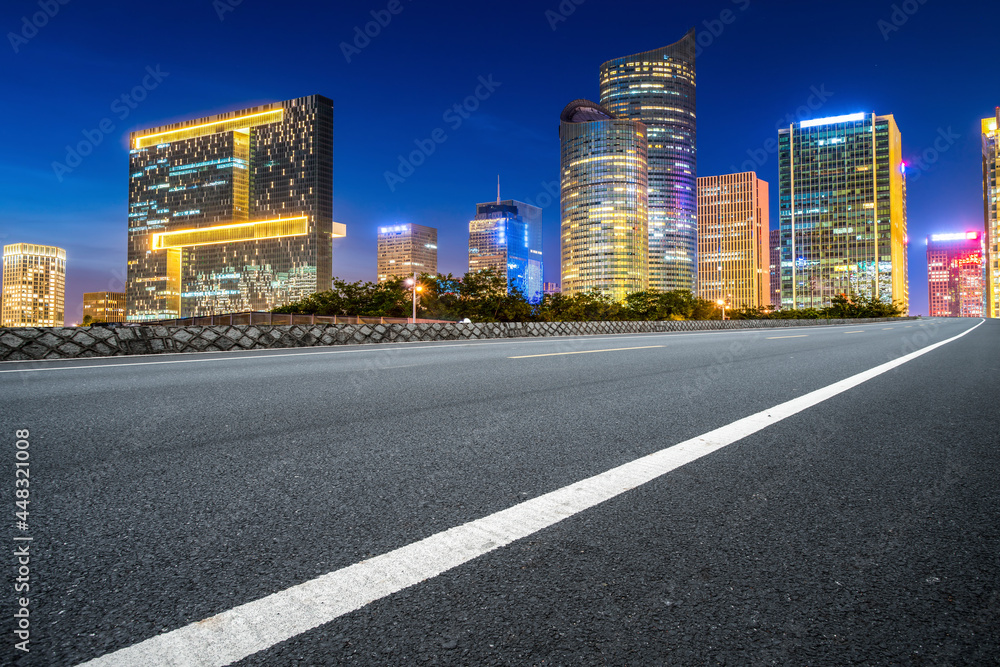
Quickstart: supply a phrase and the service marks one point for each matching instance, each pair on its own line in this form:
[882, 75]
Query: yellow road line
[558, 354]
[777, 337]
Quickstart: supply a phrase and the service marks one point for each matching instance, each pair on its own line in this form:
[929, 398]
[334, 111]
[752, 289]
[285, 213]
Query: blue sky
[935, 71]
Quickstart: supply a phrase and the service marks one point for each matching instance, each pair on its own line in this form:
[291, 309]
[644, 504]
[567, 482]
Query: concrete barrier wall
[78, 342]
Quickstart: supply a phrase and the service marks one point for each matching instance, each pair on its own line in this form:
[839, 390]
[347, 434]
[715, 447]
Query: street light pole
[412, 282]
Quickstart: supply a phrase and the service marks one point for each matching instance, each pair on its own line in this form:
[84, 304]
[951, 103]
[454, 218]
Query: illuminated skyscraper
[734, 258]
[842, 211]
[658, 88]
[507, 236]
[955, 275]
[104, 306]
[406, 249]
[34, 286]
[605, 224]
[232, 212]
[991, 210]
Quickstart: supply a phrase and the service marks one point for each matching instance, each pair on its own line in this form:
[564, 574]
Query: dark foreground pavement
[864, 530]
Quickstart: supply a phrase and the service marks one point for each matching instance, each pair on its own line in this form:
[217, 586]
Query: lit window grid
[34, 286]
[659, 88]
[955, 285]
[604, 208]
[261, 172]
[733, 240]
[991, 194]
[407, 250]
[506, 237]
[104, 306]
[849, 200]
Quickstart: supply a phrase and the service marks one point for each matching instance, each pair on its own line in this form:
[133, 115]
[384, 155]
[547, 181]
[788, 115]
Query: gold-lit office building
[605, 225]
[734, 258]
[658, 88]
[34, 286]
[104, 307]
[842, 211]
[232, 212]
[991, 210]
[406, 249]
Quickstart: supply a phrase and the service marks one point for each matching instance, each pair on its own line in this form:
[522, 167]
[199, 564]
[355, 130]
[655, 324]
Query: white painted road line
[258, 625]
[561, 354]
[777, 337]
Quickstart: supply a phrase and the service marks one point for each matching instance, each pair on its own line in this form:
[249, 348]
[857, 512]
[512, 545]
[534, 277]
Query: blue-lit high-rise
[507, 236]
[658, 88]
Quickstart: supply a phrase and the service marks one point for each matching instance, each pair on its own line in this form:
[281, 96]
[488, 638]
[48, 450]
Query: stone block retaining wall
[78, 342]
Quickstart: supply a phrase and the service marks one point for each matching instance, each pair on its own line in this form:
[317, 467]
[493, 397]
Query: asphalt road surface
[833, 498]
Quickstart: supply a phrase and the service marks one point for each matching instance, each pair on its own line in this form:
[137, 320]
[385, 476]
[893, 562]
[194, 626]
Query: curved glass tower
[605, 224]
[658, 88]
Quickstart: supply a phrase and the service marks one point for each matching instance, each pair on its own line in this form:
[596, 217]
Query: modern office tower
[104, 306]
[658, 88]
[406, 249]
[775, 254]
[605, 226]
[734, 257]
[34, 286]
[507, 236]
[955, 274]
[233, 212]
[842, 210]
[991, 210]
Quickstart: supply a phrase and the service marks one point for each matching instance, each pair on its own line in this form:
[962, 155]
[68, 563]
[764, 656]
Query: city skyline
[941, 136]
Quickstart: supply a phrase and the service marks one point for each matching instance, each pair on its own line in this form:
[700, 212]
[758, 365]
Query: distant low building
[406, 249]
[34, 286]
[548, 289]
[104, 306]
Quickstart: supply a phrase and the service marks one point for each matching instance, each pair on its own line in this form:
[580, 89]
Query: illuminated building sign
[967, 236]
[832, 120]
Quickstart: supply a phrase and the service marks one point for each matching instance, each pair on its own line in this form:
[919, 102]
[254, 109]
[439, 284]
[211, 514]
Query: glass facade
[507, 236]
[842, 211]
[775, 246]
[104, 306]
[658, 88]
[406, 249]
[34, 286]
[991, 210]
[605, 225]
[233, 212]
[733, 241]
[955, 275]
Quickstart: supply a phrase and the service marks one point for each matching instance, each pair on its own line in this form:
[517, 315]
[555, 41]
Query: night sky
[931, 63]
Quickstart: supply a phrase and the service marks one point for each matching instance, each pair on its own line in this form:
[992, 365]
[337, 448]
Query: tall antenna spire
[498, 188]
